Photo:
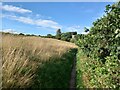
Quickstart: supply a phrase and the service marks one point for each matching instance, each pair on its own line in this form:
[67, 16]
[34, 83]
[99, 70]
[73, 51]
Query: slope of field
[36, 62]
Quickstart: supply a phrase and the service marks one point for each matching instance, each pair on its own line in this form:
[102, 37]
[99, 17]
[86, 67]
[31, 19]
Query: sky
[42, 18]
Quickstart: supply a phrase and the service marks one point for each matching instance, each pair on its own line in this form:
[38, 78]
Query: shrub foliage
[102, 48]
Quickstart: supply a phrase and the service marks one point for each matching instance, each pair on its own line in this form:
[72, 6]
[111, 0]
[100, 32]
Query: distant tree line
[66, 36]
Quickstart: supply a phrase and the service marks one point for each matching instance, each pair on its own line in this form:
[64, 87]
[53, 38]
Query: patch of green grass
[56, 72]
[79, 80]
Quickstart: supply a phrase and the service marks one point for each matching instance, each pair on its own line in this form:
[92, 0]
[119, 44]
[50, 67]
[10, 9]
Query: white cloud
[14, 9]
[27, 20]
[23, 20]
[73, 28]
[77, 28]
[84, 32]
[37, 15]
[38, 22]
[47, 23]
[9, 31]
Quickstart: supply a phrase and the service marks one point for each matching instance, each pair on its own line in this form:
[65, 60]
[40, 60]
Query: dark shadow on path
[55, 73]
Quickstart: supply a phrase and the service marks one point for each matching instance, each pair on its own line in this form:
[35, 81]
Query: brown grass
[22, 55]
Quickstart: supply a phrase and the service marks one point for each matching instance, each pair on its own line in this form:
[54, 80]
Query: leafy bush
[66, 36]
[73, 40]
[49, 36]
[100, 47]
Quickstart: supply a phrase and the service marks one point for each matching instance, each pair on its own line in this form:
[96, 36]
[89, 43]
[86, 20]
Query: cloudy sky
[43, 18]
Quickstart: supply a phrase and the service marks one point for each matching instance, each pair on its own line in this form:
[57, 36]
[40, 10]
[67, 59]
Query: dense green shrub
[66, 36]
[73, 40]
[50, 36]
[101, 46]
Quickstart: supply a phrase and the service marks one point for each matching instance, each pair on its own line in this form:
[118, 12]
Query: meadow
[31, 61]
[35, 62]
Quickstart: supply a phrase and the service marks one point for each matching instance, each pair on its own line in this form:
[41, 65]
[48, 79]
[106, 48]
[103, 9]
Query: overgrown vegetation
[42, 63]
[99, 56]
[66, 36]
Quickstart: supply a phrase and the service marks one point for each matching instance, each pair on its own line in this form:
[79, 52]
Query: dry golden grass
[22, 55]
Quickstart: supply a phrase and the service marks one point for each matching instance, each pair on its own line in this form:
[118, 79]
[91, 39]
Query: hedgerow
[101, 46]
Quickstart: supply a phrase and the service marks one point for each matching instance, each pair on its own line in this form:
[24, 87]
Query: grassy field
[35, 62]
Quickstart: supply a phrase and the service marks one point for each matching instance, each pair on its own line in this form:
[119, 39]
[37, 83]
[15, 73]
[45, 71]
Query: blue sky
[45, 18]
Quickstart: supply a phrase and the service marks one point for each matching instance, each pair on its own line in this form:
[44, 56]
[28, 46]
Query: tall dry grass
[22, 55]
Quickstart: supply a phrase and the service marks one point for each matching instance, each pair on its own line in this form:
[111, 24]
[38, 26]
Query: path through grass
[36, 62]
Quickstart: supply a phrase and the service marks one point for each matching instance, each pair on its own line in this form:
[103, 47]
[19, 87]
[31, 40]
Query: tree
[21, 34]
[73, 33]
[58, 34]
[66, 36]
[86, 29]
[49, 36]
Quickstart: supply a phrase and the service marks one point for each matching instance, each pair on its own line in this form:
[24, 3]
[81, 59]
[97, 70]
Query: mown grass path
[73, 75]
